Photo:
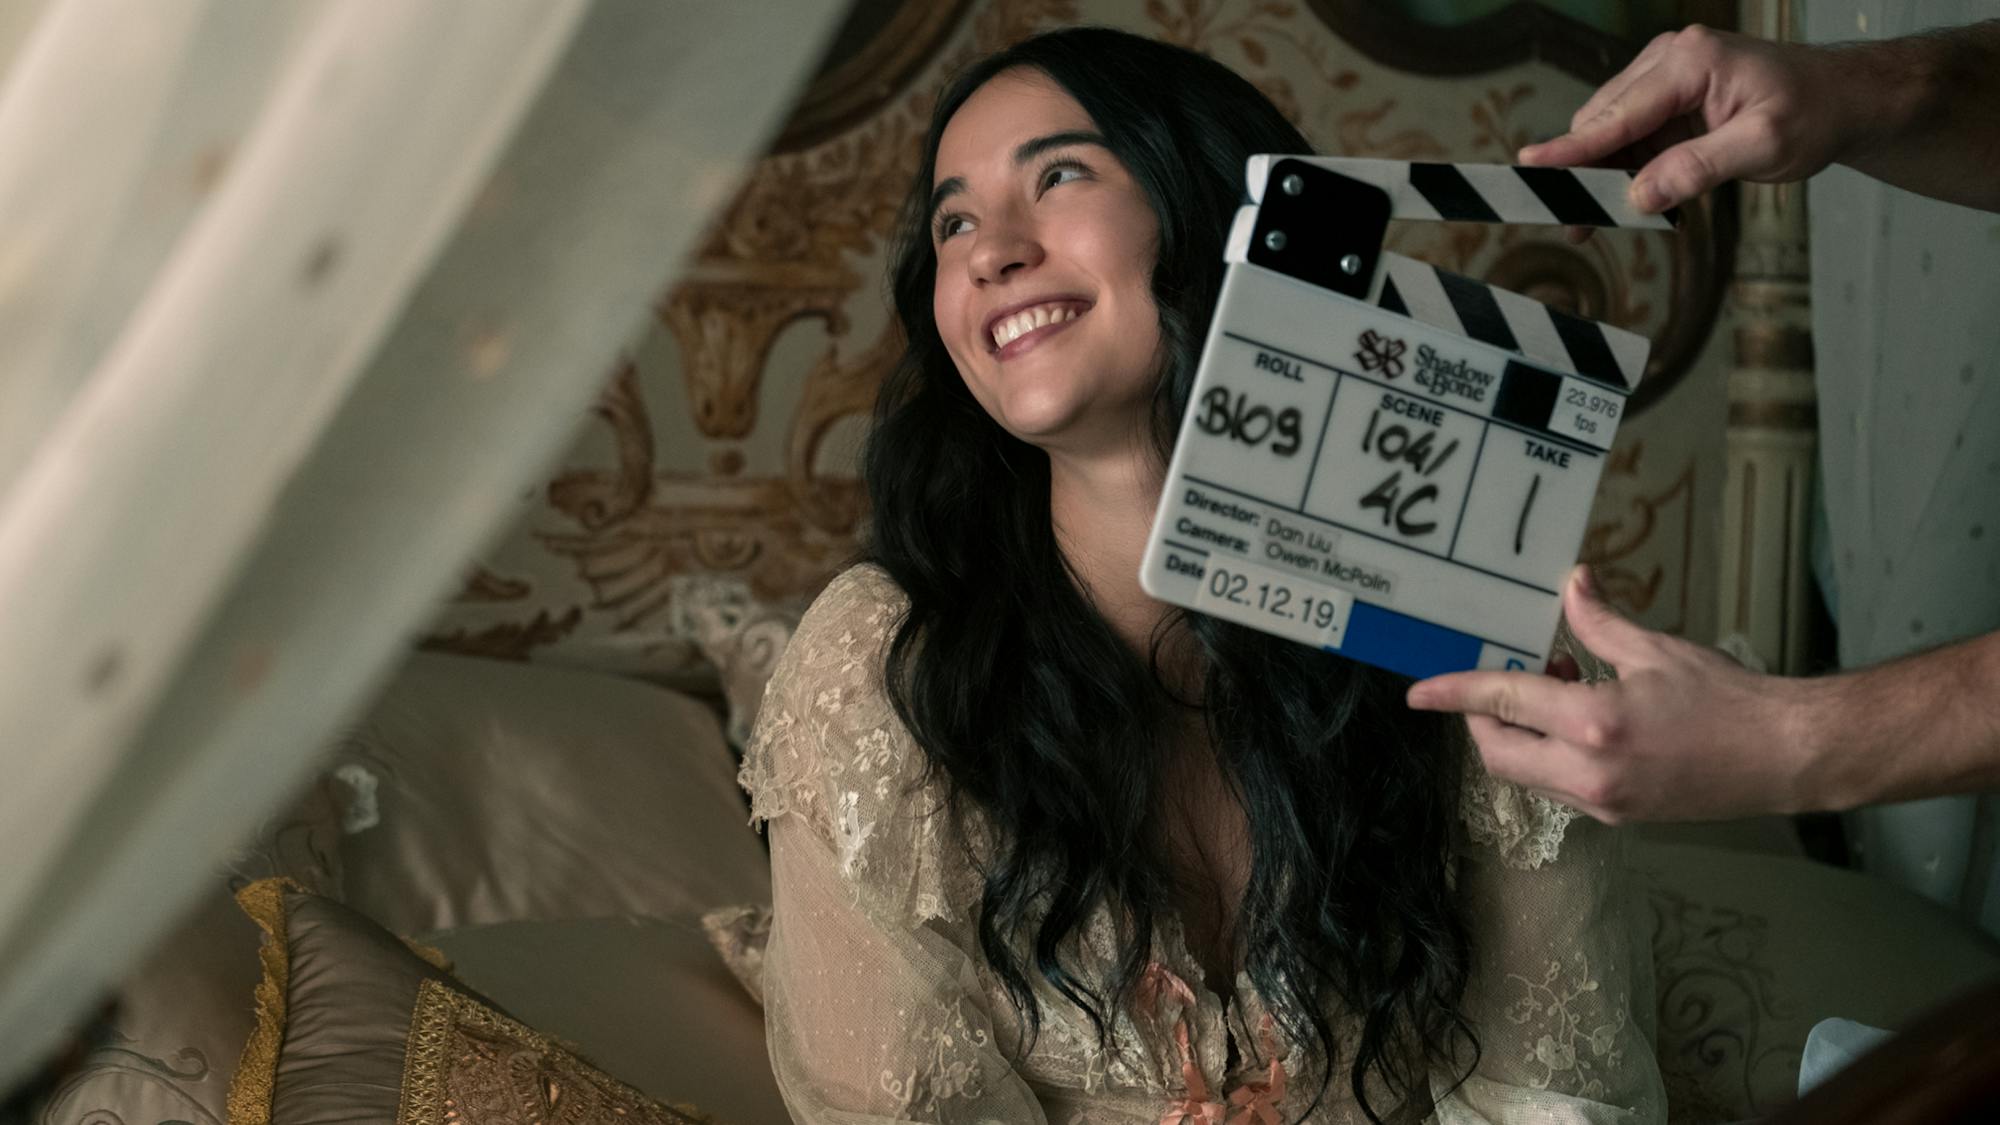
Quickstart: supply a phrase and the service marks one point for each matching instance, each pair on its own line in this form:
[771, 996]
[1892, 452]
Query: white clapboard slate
[1380, 458]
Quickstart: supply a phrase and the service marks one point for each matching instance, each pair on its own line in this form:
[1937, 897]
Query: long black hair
[1039, 717]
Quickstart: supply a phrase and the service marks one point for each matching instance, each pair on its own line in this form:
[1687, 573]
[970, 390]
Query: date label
[1274, 602]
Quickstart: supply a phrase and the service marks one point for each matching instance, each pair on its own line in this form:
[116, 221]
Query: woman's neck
[1102, 508]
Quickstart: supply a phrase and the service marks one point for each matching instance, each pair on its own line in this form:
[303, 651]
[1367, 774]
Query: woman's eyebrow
[1027, 150]
[1030, 149]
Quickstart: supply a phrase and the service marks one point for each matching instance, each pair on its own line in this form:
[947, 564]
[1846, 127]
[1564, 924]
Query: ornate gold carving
[835, 391]
[596, 499]
[511, 641]
[639, 528]
[1612, 546]
[725, 326]
[482, 585]
[877, 50]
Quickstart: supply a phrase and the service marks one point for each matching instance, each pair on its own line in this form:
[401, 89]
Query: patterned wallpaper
[717, 473]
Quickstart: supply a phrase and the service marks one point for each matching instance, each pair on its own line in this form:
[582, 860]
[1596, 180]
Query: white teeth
[1012, 328]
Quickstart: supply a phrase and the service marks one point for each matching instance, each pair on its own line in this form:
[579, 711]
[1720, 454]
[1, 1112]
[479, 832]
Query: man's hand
[1699, 107]
[1684, 733]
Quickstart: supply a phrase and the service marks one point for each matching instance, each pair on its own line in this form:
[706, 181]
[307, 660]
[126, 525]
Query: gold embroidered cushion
[354, 1025]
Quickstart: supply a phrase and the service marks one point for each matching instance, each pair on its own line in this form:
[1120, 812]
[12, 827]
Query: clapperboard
[1380, 458]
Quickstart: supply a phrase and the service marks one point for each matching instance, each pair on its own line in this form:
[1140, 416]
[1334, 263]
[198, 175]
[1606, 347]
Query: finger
[1525, 758]
[1522, 699]
[1741, 147]
[1614, 89]
[1601, 629]
[1653, 99]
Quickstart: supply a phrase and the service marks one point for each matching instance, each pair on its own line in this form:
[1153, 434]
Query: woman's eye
[1062, 172]
[948, 225]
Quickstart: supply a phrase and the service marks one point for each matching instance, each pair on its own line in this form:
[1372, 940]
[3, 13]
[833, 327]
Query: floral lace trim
[1526, 829]
[1571, 1053]
[945, 1049]
[828, 748]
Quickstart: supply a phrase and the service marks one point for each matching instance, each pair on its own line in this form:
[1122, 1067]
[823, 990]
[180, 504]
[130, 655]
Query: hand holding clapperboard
[1379, 458]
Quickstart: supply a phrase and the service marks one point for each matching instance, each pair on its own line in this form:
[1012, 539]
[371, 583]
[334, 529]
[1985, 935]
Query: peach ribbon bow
[1253, 1103]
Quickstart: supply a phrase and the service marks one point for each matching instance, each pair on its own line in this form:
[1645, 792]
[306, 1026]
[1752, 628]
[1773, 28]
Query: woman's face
[1045, 248]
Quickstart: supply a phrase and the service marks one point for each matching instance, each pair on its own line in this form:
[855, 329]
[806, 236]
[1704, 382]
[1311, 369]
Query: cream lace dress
[879, 1006]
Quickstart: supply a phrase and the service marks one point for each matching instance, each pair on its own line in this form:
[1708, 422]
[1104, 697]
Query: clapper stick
[1484, 193]
[1490, 193]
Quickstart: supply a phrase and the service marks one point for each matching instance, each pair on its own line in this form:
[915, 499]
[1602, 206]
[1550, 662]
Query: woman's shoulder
[861, 606]
[829, 748]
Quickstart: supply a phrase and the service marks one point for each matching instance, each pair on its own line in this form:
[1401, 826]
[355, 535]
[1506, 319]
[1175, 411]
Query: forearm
[1926, 112]
[1924, 726]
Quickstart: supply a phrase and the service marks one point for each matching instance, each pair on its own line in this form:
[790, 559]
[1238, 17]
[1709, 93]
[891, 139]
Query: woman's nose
[1003, 248]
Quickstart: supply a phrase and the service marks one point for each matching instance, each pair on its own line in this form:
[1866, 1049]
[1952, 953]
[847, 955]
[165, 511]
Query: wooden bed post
[1773, 411]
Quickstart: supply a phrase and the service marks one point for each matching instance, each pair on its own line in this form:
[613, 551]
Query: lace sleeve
[1561, 991]
[829, 750]
[872, 1023]
[872, 1012]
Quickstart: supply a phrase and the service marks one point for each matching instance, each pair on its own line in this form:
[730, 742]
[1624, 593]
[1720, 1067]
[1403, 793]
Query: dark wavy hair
[1036, 714]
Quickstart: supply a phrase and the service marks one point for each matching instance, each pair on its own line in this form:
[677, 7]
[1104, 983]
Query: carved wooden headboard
[722, 454]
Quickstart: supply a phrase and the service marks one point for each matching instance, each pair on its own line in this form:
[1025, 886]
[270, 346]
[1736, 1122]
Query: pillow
[178, 1022]
[1750, 951]
[738, 634]
[484, 791]
[647, 1000]
[353, 1025]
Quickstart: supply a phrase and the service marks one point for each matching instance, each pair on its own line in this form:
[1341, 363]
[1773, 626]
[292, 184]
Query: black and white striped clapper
[1486, 193]
[1492, 315]
[1493, 193]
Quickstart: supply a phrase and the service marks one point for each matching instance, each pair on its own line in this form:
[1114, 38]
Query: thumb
[1738, 149]
[1600, 628]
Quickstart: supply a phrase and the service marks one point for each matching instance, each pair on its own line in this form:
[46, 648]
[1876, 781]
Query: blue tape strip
[1405, 645]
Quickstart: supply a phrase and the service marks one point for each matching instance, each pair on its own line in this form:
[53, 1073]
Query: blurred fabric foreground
[255, 259]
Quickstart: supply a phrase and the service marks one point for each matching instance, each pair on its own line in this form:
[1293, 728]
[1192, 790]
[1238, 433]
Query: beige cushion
[486, 791]
[1750, 951]
[179, 1021]
[356, 1026]
[478, 791]
[649, 1001]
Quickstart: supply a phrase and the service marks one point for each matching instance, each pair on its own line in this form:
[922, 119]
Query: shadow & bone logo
[1380, 353]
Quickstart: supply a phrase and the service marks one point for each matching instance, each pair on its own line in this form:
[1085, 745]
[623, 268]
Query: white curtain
[295, 299]
[1906, 327]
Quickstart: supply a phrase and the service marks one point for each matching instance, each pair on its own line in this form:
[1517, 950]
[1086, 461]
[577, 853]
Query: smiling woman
[1045, 247]
[1044, 849]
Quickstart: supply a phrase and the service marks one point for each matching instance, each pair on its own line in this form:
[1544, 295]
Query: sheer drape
[1907, 350]
[296, 299]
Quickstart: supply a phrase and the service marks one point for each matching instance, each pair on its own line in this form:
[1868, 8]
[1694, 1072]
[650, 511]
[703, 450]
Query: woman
[1044, 850]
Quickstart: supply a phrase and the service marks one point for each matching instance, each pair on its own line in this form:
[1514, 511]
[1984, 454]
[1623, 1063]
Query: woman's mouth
[1018, 331]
